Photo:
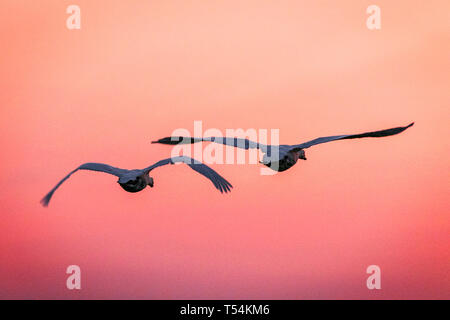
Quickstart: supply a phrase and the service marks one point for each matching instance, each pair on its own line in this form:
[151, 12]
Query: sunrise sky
[137, 70]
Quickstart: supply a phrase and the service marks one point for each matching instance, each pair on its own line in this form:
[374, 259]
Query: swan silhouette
[280, 157]
[138, 179]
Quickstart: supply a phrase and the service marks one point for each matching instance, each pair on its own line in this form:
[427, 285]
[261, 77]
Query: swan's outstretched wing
[87, 166]
[234, 142]
[374, 134]
[219, 182]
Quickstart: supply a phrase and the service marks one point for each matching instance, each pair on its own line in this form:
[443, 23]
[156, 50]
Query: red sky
[137, 70]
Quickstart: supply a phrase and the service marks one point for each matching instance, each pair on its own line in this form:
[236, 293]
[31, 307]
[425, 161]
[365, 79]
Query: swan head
[301, 154]
[150, 182]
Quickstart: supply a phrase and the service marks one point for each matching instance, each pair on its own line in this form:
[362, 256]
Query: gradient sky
[137, 70]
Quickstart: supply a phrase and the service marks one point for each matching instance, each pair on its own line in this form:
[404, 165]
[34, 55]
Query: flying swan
[282, 157]
[138, 179]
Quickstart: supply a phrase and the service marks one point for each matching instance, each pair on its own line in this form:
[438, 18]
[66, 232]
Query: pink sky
[137, 70]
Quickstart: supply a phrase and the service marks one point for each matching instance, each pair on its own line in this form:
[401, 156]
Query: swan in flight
[282, 157]
[138, 179]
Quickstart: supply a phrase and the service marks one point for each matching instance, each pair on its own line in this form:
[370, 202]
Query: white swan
[138, 179]
[282, 157]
